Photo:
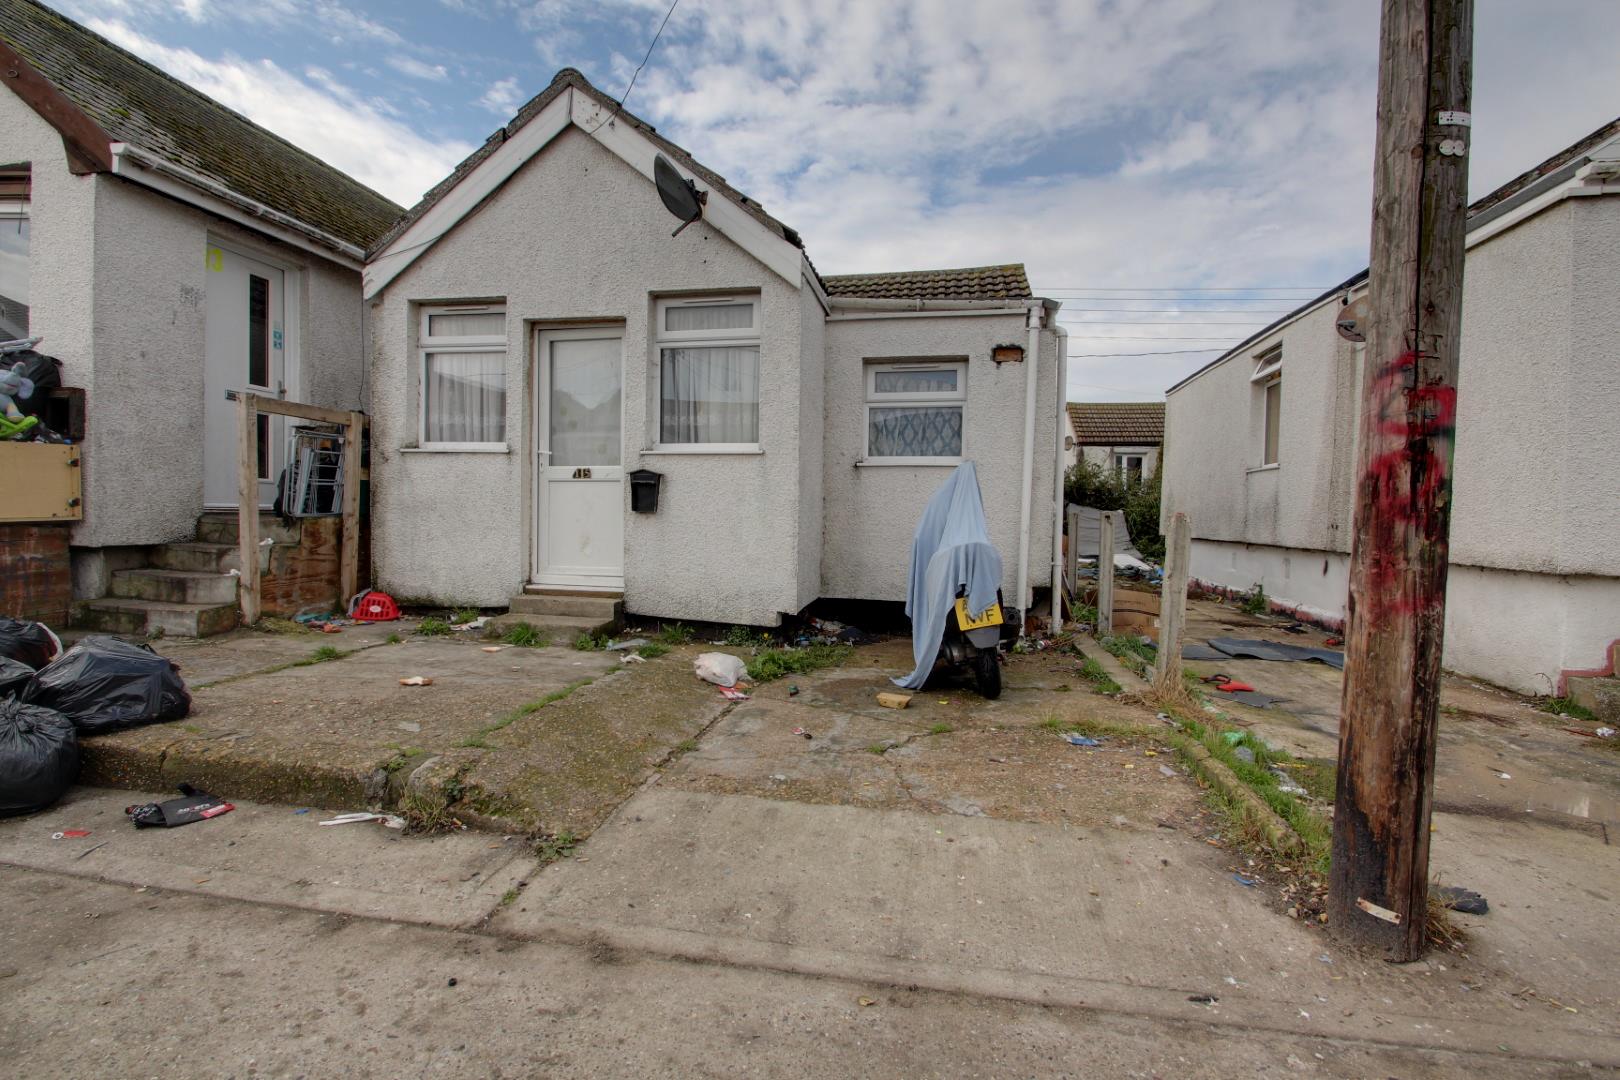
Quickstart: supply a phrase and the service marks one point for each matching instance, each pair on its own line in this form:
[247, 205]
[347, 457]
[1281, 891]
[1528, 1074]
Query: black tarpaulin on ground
[103, 684]
[1246, 649]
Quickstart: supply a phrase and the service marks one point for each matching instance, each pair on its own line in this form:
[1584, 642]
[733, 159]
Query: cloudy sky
[1177, 171]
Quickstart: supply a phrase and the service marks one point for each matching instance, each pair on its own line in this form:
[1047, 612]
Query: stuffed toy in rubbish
[14, 385]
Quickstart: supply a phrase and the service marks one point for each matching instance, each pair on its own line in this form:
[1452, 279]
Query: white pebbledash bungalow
[536, 335]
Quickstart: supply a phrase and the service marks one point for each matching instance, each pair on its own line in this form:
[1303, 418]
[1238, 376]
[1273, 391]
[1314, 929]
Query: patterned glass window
[914, 411]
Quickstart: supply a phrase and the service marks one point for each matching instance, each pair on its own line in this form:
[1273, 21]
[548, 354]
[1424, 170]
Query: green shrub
[1255, 603]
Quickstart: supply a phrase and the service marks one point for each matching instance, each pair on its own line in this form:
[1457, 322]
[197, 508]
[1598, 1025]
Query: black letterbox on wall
[644, 485]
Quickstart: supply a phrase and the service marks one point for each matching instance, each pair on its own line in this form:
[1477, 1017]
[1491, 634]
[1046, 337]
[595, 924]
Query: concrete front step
[174, 586]
[224, 528]
[125, 615]
[562, 629]
[197, 557]
[1599, 693]
[570, 605]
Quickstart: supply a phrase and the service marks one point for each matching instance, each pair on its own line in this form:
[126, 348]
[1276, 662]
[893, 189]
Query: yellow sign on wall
[216, 259]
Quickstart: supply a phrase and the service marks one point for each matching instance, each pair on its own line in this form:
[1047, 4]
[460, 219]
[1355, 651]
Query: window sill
[909, 463]
[1273, 467]
[458, 448]
[718, 449]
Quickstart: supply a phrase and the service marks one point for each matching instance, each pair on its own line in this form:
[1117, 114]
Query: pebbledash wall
[1534, 588]
[117, 282]
[577, 234]
[872, 509]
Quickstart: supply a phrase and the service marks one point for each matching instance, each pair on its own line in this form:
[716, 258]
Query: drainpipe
[1057, 477]
[1032, 362]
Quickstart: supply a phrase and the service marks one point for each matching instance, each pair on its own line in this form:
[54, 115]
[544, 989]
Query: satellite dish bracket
[702, 198]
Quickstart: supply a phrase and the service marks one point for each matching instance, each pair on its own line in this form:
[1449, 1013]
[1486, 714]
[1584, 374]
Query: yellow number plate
[991, 616]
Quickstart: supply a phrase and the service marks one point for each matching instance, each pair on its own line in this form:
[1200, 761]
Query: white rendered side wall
[872, 510]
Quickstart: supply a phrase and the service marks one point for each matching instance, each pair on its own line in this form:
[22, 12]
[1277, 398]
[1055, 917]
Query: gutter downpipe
[1057, 478]
[1032, 357]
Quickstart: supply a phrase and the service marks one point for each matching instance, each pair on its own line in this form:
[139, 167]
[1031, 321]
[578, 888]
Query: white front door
[579, 490]
[245, 319]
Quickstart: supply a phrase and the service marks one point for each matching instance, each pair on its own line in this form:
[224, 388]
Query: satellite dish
[681, 196]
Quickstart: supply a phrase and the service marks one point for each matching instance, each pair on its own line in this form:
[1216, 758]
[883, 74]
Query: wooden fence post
[247, 512]
[349, 560]
[1173, 603]
[1105, 573]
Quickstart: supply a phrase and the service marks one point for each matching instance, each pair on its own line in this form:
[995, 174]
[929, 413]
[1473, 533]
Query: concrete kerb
[1214, 772]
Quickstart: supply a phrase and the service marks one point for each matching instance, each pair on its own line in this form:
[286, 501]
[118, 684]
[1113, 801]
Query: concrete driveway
[951, 889]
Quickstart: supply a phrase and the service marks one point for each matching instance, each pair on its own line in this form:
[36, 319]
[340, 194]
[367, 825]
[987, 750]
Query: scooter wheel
[987, 674]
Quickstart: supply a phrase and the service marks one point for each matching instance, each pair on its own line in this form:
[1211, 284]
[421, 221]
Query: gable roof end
[569, 78]
[133, 102]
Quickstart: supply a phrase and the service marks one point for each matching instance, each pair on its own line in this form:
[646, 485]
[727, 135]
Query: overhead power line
[1189, 289]
[1164, 352]
[1067, 310]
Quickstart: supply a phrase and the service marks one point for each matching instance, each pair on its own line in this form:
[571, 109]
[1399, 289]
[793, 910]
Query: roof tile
[1006, 282]
[1117, 422]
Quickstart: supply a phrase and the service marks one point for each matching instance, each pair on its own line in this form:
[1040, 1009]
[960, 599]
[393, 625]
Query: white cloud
[417, 69]
[316, 112]
[503, 97]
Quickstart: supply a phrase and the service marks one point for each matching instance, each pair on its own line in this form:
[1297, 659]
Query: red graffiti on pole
[1403, 484]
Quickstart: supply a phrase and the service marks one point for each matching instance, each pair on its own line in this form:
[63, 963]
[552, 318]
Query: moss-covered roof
[136, 103]
[1006, 282]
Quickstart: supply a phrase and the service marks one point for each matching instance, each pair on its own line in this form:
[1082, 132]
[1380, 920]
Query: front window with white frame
[463, 352]
[708, 373]
[914, 411]
[14, 194]
[1267, 381]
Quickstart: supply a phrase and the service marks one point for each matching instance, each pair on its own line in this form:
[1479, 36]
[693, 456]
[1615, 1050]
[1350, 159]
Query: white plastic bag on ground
[720, 668]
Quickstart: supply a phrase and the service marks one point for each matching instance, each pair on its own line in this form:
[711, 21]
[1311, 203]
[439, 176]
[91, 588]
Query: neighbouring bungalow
[1121, 436]
[545, 356]
[1261, 444]
[173, 255]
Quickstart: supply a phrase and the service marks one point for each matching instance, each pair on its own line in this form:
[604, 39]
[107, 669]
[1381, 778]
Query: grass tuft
[652, 650]
[941, 729]
[1567, 706]
[675, 633]
[393, 639]
[1093, 673]
[432, 627]
[480, 740]
[771, 664]
[463, 615]
[591, 642]
[526, 635]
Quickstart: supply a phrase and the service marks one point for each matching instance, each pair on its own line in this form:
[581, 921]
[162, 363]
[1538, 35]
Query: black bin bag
[14, 677]
[102, 684]
[39, 757]
[29, 642]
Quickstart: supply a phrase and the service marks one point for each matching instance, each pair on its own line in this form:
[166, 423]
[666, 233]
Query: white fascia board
[136, 166]
[1580, 185]
[811, 279]
[730, 220]
[465, 197]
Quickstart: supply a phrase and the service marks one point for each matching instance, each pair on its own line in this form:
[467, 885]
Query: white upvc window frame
[753, 334]
[1268, 364]
[14, 209]
[1122, 465]
[427, 344]
[880, 399]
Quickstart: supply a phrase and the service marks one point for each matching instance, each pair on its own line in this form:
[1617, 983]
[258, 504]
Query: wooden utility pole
[1378, 891]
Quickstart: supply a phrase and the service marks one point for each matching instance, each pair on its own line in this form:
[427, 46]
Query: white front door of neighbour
[579, 490]
[245, 322]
